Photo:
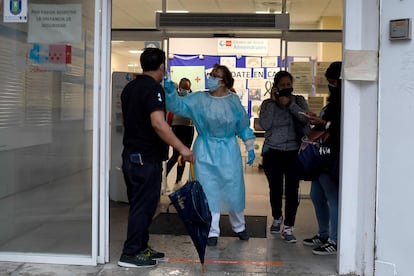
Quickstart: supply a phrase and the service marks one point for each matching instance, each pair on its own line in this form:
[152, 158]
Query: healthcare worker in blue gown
[218, 117]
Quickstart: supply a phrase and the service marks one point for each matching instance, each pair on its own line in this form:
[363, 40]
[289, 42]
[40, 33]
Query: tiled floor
[258, 256]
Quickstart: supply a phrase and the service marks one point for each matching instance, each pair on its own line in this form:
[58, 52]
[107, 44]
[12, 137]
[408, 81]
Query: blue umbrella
[191, 204]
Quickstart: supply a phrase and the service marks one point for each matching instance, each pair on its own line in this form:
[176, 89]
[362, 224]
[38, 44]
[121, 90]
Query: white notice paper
[361, 65]
[53, 24]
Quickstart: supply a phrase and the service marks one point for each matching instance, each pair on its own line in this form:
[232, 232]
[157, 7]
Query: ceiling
[134, 21]
[140, 14]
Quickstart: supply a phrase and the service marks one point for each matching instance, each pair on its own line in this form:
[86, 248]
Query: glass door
[49, 131]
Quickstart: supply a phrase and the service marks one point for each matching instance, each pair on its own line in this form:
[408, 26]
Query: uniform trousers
[143, 184]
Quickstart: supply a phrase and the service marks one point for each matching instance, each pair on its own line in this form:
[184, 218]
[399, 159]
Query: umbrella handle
[191, 167]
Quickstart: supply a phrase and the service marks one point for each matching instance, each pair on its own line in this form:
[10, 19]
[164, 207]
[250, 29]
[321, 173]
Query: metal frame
[105, 105]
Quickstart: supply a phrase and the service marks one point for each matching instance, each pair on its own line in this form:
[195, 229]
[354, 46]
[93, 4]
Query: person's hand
[273, 93]
[311, 117]
[314, 119]
[250, 157]
[169, 86]
[187, 155]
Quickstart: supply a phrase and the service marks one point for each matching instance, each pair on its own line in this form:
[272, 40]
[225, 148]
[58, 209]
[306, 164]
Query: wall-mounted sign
[15, 11]
[303, 76]
[49, 23]
[360, 65]
[242, 46]
[53, 57]
[400, 29]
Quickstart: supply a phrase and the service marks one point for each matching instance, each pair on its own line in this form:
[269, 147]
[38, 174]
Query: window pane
[46, 99]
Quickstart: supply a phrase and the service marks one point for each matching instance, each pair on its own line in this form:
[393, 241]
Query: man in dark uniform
[146, 139]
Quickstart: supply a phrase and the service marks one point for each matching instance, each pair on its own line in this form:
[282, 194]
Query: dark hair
[334, 70]
[151, 59]
[184, 80]
[232, 82]
[281, 74]
[227, 77]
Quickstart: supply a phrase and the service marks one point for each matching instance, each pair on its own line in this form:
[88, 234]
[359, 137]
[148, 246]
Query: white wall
[395, 222]
[359, 146]
[376, 179]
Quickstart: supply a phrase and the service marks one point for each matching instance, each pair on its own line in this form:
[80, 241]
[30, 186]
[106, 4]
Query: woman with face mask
[183, 128]
[280, 117]
[218, 116]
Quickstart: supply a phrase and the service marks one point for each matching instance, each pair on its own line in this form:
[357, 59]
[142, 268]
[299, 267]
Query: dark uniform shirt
[332, 113]
[139, 99]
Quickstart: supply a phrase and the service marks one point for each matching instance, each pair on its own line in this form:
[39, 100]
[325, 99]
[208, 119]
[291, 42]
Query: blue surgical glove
[169, 86]
[250, 157]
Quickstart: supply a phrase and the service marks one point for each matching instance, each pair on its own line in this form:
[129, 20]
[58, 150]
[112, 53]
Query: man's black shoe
[139, 260]
[153, 254]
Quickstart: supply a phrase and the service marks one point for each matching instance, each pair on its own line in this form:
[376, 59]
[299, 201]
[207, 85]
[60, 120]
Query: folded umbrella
[191, 204]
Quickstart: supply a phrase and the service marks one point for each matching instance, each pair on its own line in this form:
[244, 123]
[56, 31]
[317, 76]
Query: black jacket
[331, 113]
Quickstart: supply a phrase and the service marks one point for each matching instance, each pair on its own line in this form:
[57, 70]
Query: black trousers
[143, 184]
[280, 168]
[186, 135]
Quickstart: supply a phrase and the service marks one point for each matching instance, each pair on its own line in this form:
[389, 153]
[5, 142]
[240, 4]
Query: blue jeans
[324, 195]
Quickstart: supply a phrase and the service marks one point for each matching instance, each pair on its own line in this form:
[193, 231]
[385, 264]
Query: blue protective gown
[218, 166]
